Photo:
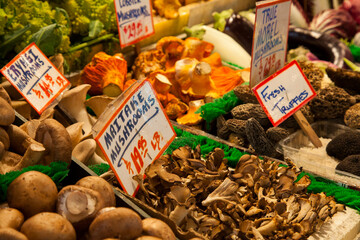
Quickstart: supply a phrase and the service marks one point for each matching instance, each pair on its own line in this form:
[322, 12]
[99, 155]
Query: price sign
[35, 77]
[270, 39]
[284, 92]
[134, 18]
[137, 133]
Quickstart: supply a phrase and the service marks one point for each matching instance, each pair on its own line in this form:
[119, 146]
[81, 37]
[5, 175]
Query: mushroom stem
[179, 214]
[72, 104]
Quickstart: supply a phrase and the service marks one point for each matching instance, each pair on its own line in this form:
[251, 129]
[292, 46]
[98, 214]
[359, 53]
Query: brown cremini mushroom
[48, 225]
[32, 192]
[103, 187]
[56, 140]
[120, 222]
[11, 234]
[148, 238]
[157, 228]
[11, 218]
[79, 205]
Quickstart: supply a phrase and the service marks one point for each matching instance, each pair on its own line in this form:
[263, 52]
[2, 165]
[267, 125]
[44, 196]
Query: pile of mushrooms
[86, 210]
[259, 199]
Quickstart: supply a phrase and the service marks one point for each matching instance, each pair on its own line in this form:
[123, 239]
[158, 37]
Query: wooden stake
[137, 48]
[305, 126]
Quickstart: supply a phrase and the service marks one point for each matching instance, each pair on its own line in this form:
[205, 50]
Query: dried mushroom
[251, 110]
[256, 136]
[331, 102]
[312, 73]
[259, 199]
[352, 116]
[345, 78]
[244, 93]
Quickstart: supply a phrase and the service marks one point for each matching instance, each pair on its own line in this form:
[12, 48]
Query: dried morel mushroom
[352, 116]
[344, 145]
[331, 102]
[350, 164]
[345, 78]
[258, 140]
[275, 134]
[312, 73]
[244, 93]
[257, 200]
[250, 110]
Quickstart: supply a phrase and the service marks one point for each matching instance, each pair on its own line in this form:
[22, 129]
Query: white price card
[134, 134]
[284, 92]
[271, 30]
[135, 22]
[35, 77]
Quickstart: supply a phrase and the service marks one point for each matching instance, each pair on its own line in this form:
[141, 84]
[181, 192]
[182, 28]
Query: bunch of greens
[23, 22]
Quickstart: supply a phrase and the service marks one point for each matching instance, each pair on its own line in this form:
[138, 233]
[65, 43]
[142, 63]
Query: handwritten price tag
[270, 39]
[284, 92]
[35, 77]
[134, 18]
[137, 133]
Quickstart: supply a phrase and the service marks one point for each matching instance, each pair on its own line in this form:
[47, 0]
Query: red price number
[133, 30]
[155, 142]
[139, 153]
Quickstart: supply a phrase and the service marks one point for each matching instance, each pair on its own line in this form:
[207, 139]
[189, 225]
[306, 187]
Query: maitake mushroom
[259, 199]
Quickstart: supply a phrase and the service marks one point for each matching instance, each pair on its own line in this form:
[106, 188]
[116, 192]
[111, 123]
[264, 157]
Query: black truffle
[350, 164]
[344, 145]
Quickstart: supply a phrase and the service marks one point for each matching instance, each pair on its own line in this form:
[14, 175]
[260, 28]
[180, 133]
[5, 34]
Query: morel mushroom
[344, 145]
[331, 102]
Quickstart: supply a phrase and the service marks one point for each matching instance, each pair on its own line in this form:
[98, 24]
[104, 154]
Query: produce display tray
[317, 163]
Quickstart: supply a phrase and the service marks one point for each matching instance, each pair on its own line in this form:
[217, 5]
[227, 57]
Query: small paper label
[135, 22]
[284, 92]
[270, 39]
[35, 77]
[135, 135]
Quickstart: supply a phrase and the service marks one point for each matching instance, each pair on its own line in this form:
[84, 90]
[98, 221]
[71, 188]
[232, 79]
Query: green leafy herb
[47, 39]
[95, 27]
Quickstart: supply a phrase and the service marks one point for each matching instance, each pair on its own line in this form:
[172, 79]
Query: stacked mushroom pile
[257, 200]
[85, 210]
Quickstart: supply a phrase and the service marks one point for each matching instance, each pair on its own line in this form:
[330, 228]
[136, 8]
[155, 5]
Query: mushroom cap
[56, 140]
[84, 150]
[7, 115]
[147, 238]
[48, 225]
[79, 205]
[11, 218]
[344, 145]
[11, 234]
[120, 222]
[32, 192]
[157, 228]
[100, 185]
[350, 164]
[4, 138]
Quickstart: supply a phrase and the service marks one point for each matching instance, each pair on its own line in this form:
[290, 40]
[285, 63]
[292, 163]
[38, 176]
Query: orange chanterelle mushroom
[106, 74]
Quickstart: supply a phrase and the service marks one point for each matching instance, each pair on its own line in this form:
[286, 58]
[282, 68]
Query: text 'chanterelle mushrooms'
[259, 199]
